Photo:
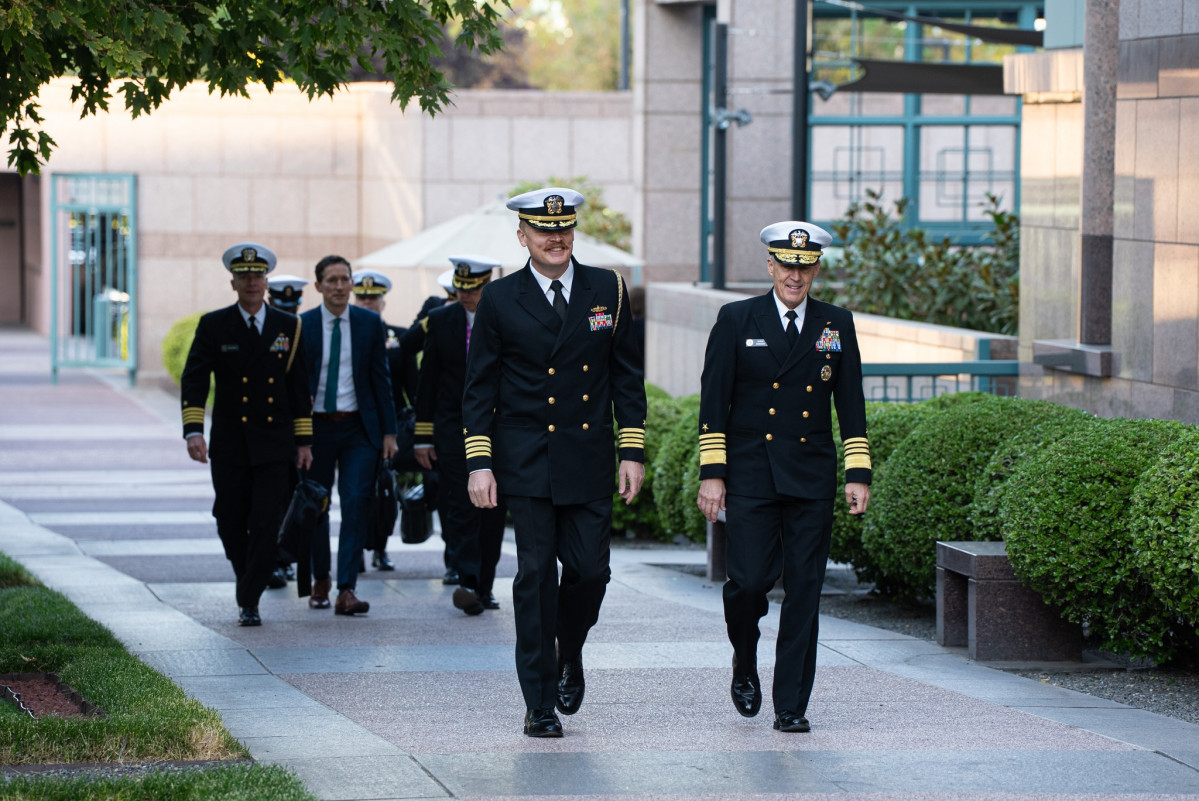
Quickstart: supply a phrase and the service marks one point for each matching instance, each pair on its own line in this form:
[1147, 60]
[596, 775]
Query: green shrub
[1055, 422]
[679, 448]
[928, 484]
[1165, 535]
[641, 517]
[1066, 520]
[887, 424]
[177, 343]
[888, 267]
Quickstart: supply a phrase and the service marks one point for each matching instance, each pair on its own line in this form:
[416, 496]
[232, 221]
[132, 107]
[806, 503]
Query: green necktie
[334, 359]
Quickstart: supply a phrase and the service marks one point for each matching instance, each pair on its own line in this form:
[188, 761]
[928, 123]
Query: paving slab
[416, 700]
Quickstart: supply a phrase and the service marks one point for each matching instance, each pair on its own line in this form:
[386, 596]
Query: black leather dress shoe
[380, 561]
[570, 685]
[277, 580]
[248, 616]
[746, 689]
[542, 723]
[468, 601]
[488, 600]
[451, 577]
[289, 572]
[789, 721]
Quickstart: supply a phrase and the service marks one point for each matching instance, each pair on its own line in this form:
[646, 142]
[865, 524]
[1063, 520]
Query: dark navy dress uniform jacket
[765, 415]
[542, 395]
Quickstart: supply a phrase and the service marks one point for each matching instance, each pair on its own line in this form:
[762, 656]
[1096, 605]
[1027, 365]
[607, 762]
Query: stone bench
[982, 605]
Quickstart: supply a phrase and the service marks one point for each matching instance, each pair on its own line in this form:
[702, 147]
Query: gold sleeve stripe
[856, 462]
[717, 437]
[857, 453]
[713, 456]
[478, 446]
[423, 429]
[193, 415]
[302, 426]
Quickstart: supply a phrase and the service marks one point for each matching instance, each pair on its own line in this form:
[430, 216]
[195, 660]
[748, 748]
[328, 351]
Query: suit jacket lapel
[582, 298]
[312, 336]
[533, 301]
[814, 322]
[767, 315]
[457, 337]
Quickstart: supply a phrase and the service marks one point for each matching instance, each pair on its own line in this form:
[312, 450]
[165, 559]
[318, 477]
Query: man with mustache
[553, 364]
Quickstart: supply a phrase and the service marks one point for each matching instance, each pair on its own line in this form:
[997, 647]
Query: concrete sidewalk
[416, 700]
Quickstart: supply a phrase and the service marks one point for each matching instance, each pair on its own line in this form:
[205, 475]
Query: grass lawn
[148, 718]
[234, 782]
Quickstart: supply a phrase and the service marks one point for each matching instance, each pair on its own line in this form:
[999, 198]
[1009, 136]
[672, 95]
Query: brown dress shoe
[319, 599]
[348, 604]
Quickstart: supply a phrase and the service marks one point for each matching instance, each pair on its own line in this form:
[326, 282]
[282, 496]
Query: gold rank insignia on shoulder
[826, 373]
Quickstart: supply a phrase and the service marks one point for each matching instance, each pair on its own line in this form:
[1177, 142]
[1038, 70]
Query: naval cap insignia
[249, 254]
[799, 238]
[553, 204]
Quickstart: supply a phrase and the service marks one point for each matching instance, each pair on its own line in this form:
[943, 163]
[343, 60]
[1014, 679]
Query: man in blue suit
[353, 422]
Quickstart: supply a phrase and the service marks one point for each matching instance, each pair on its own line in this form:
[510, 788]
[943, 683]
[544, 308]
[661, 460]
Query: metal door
[93, 272]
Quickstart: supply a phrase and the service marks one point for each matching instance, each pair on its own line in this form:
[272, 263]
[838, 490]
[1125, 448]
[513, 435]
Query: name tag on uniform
[227, 348]
[755, 343]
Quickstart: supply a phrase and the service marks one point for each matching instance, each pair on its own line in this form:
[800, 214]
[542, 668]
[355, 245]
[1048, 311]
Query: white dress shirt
[347, 400]
[800, 311]
[567, 278]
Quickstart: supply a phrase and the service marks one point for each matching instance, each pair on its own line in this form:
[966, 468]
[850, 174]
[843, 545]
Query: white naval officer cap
[446, 282]
[795, 242]
[286, 290]
[249, 257]
[371, 282]
[550, 209]
[471, 272]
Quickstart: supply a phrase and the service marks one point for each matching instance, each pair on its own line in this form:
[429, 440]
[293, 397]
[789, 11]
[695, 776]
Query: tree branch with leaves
[144, 51]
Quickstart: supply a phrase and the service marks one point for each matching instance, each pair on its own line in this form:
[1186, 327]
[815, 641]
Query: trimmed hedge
[641, 516]
[1054, 423]
[928, 483]
[1165, 535]
[1066, 518]
[679, 449]
[177, 343]
[887, 425]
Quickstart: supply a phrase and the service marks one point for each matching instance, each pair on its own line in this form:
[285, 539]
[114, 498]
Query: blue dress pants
[341, 446]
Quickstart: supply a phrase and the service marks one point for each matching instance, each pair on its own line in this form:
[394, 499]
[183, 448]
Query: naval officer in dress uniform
[479, 533]
[553, 367]
[370, 291]
[285, 293]
[767, 458]
[261, 418]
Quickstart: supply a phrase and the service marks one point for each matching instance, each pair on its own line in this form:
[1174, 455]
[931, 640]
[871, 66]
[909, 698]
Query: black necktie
[254, 327]
[792, 329]
[559, 300]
